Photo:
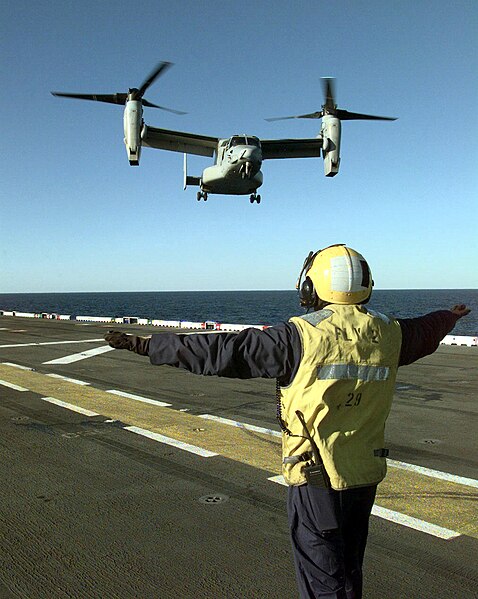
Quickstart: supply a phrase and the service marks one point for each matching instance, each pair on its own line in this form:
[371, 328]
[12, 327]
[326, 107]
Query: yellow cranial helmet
[336, 275]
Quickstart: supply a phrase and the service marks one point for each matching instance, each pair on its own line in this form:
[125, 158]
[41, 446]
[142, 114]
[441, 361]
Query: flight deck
[122, 479]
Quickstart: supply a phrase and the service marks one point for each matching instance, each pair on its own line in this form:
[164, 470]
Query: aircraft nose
[250, 160]
[249, 154]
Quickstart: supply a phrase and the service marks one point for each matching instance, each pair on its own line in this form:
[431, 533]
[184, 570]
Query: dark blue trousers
[329, 533]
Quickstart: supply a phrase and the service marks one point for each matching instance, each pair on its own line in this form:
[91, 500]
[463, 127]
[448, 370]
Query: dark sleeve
[271, 353]
[421, 336]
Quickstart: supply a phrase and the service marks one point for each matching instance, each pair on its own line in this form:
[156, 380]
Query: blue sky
[74, 216]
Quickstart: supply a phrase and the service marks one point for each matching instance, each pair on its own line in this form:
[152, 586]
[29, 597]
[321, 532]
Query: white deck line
[173, 442]
[68, 379]
[17, 366]
[70, 406]
[53, 343]
[244, 425]
[153, 402]
[460, 480]
[12, 386]
[398, 518]
[415, 523]
[81, 356]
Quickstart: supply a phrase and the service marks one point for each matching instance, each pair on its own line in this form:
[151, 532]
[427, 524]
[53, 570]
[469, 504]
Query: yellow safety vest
[344, 388]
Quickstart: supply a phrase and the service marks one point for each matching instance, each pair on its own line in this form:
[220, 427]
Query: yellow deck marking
[445, 503]
[254, 449]
[440, 502]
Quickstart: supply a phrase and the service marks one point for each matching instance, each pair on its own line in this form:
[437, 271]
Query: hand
[460, 310]
[119, 340]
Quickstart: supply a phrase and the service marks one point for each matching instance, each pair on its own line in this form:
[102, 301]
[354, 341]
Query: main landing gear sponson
[202, 195]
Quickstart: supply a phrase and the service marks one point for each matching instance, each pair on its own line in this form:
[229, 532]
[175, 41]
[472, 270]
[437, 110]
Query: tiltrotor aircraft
[238, 159]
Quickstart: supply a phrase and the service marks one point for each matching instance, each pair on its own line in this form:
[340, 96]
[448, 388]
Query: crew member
[336, 368]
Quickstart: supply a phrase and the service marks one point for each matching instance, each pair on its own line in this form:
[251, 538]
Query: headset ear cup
[308, 296]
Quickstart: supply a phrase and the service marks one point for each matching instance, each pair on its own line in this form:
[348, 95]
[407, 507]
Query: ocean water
[237, 307]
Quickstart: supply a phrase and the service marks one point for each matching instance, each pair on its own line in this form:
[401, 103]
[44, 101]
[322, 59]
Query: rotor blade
[344, 115]
[280, 118]
[313, 115]
[161, 68]
[151, 105]
[329, 92]
[109, 98]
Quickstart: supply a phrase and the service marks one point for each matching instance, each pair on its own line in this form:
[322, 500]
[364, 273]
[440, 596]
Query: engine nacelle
[133, 121]
[331, 131]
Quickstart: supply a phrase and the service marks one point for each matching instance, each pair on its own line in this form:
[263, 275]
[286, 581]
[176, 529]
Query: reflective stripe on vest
[353, 371]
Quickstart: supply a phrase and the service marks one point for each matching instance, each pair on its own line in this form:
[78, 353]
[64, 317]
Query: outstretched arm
[274, 352]
[421, 336]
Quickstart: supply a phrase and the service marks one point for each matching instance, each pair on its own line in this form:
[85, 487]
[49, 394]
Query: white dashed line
[12, 386]
[173, 442]
[52, 343]
[17, 366]
[415, 523]
[249, 427]
[381, 512]
[70, 406]
[153, 402]
[398, 518]
[461, 480]
[65, 378]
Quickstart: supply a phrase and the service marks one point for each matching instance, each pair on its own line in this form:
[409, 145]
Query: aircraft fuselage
[237, 168]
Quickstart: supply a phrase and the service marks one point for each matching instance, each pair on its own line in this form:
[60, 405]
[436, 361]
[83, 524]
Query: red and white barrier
[460, 340]
[93, 318]
[207, 325]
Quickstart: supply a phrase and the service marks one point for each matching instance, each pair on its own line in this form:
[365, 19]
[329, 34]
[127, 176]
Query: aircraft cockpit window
[253, 141]
[237, 141]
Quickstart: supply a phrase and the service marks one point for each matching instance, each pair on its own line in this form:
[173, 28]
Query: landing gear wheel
[199, 196]
[255, 198]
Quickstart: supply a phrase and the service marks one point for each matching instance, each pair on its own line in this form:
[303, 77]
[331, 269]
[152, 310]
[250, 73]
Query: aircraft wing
[291, 148]
[178, 141]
